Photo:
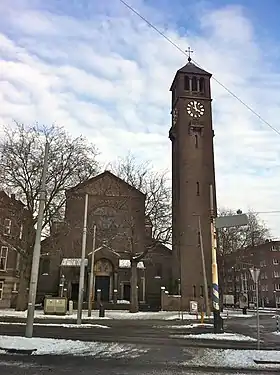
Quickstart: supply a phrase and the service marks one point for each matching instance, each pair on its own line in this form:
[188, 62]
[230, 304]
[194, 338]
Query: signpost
[255, 273]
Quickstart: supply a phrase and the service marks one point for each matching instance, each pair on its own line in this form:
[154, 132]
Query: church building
[117, 211]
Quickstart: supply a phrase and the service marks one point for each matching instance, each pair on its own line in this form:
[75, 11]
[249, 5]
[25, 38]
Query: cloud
[101, 71]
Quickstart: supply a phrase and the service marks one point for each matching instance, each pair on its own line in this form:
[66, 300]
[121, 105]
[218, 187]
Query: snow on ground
[234, 358]
[109, 314]
[59, 325]
[188, 326]
[213, 336]
[46, 346]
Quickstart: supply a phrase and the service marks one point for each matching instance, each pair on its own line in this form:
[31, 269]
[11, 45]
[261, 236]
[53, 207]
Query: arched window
[201, 84]
[194, 84]
[187, 83]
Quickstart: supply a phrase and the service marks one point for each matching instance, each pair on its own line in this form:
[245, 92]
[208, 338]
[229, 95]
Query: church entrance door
[103, 283]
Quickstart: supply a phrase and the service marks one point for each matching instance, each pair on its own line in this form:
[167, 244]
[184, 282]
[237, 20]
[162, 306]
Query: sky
[100, 71]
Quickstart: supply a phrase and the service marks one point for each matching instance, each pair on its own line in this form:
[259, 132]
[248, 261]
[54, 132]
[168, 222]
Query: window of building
[198, 238]
[194, 84]
[201, 84]
[244, 266]
[275, 262]
[187, 83]
[7, 227]
[201, 291]
[194, 291]
[3, 258]
[264, 288]
[230, 279]
[276, 286]
[262, 263]
[276, 274]
[237, 278]
[238, 289]
[45, 266]
[1, 289]
[15, 287]
[196, 140]
[230, 289]
[197, 189]
[273, 248]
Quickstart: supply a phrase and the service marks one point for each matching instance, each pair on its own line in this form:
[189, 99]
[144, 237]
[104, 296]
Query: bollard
[70, 307]
[115, 296]
[101, 311]
[202, 317]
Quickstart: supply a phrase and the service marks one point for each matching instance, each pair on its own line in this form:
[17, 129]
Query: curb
[18, 351]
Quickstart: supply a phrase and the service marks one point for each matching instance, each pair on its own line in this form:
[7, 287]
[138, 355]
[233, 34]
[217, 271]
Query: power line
[215, 79]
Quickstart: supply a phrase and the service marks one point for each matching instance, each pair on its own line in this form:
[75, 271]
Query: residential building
[13, 221]
[238, 280]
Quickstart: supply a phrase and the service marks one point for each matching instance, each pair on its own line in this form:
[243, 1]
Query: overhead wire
[213, 77]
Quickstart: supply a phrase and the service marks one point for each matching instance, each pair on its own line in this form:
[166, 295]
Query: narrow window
[201, 84]
[194, 291]
[7, 226]
[196, 140]
[187, 83]
[194, 84]
[201, 291]
[197, 189]
[3, 258]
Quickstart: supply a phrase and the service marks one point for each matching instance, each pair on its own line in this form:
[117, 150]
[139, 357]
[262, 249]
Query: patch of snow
[188, 326]
[234, 358]
[58, 325]
[213, 336]
[126, 263]
[109, 314]
[46, 346]
[73, 262]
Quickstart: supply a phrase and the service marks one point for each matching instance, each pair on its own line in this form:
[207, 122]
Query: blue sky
[97, 69]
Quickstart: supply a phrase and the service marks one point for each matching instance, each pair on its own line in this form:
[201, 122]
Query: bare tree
[231, 240]
[157, 188]
[71, 161]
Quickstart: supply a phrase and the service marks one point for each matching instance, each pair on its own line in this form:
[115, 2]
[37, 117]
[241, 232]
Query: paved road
[248, 326]
[48, 365]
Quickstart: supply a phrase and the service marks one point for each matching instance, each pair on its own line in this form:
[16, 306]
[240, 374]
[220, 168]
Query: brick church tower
[193, 172]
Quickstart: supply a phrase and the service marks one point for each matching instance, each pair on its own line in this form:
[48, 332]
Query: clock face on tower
[195, 109]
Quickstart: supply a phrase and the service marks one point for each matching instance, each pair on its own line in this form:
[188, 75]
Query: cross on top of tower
[189, 51]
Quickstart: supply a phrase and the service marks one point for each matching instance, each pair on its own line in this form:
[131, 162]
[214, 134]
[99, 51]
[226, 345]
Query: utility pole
[37, 250]
[208, 312]
[91, 278]
[82, 266]
[215, 281]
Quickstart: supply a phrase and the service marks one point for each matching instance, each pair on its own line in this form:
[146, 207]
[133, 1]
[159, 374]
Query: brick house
[13, 219]
[238, 278]
[122, 230]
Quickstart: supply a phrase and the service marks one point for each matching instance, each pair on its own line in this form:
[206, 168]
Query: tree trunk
[133, 288]
[24, 279]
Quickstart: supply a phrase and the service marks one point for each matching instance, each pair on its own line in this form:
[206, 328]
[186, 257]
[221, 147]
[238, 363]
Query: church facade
[117, 211]
[193, 173]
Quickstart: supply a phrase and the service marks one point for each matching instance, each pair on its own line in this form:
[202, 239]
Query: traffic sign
[255, 273]
[231, 221]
